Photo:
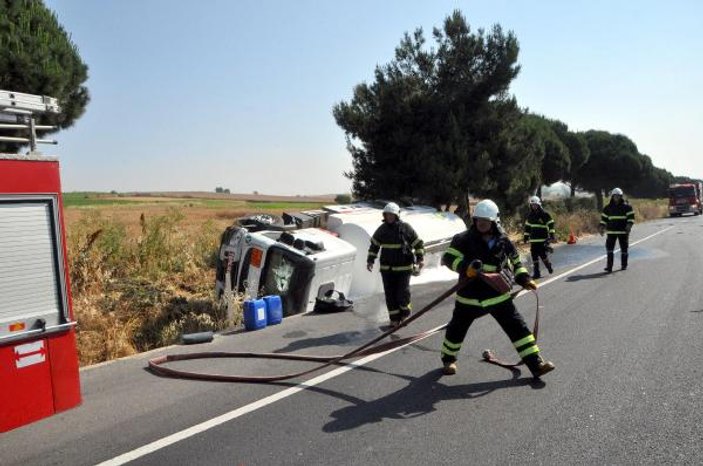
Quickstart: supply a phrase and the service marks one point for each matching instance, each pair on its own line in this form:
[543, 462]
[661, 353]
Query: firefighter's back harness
[156, 365]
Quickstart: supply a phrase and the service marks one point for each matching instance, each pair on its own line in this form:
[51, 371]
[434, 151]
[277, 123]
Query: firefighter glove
[474, 268]
[369, 266]
[530, 285]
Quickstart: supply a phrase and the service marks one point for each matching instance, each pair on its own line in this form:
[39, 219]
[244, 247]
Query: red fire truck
[685, 198]
[38, 357]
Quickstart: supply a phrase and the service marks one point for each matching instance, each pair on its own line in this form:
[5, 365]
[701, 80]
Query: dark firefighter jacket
[539, 226]
[501, 256]
[616, 217]
[398, 243]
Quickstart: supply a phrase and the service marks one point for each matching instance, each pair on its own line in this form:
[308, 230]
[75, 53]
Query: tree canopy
[437, 124]
[426, 127]
[614, 161]
[37, 56]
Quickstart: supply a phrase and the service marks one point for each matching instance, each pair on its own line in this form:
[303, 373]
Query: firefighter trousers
[507, 316]
[537, 251]
[396, 286]
[624, 241]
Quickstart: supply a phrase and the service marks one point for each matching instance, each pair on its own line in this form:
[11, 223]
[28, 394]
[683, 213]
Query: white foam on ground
[439, 274]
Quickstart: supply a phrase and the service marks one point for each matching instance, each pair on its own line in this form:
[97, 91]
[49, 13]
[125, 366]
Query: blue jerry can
[274, 309]
[254, 314]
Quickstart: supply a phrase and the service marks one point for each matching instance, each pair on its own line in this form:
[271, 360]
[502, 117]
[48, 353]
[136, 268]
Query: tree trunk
[573, 190]
[599, 199]
[462, 210]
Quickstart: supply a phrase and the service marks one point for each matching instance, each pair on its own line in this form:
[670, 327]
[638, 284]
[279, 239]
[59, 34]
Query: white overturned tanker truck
[305, 254]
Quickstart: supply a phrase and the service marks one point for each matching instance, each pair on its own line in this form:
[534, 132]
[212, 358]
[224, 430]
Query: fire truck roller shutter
[31, 295]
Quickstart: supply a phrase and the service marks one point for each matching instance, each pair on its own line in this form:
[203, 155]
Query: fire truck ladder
[17, 113]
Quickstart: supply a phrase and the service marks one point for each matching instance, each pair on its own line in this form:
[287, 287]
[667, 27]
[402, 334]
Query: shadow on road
[576, 278]
[417, 399]
[338, 339]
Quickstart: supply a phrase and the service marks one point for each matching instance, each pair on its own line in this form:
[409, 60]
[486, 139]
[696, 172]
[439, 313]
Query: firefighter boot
[548, 264]
[623, 261]
[535, 270]
[538, 366]
[405, 312]
[449, 368]
[609, 268]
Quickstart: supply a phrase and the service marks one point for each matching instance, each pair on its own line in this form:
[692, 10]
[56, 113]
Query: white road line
[219, 420]
[598, 259]
[214, 422]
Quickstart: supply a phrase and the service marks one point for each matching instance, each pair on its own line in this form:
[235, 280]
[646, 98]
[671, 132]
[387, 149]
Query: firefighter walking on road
[539, 232]
[484, 248]
[616, 222]
[400, 249]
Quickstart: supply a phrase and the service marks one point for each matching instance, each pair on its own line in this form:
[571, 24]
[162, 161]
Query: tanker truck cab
[297, 265]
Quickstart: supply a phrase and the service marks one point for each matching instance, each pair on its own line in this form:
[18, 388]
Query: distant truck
[685, 198]
[303, 255]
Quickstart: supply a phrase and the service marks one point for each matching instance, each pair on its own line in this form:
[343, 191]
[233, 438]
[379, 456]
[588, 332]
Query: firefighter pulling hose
[485, 248]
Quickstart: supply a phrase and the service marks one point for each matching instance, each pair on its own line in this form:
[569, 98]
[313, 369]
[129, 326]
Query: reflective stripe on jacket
[539, 226]
[470, 245]
[616, 217]
[399, 247]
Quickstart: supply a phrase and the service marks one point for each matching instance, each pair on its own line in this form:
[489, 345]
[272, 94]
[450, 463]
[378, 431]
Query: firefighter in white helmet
[400, 248]
[616, 221]
[539, 232]
[485, 248]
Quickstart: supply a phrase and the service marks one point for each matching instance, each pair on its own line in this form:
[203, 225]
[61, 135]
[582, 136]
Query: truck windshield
[287, 274]
[684, 191]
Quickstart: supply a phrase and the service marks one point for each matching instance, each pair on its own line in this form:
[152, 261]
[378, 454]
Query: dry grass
[143, 270]
[139, 281]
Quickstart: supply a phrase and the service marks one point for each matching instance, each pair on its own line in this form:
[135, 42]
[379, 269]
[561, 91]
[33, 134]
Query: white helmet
[616, 191]
[535, 200]
[486, 209]
[392, 208]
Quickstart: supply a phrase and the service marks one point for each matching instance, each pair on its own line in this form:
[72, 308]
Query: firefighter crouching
[400, 248]
[484, 241]
[616, 221]
[539, 232]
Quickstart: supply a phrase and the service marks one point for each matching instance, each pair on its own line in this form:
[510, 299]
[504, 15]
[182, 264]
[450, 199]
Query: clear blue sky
[193, 95]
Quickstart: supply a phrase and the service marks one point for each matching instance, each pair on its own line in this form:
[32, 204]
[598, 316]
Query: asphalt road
[627, 388]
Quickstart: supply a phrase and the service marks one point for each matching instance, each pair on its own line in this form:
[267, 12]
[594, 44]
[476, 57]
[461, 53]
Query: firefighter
[401, 251]
[616, 222]
[484, 247]
[539, 232]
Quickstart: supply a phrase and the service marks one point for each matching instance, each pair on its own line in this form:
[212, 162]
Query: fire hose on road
[156, 365]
